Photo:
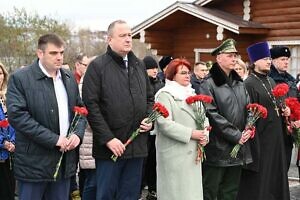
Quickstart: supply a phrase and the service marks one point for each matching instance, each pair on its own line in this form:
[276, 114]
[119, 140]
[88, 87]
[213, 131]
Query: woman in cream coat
[178, 175]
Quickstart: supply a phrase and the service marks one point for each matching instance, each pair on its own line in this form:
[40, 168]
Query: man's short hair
[200, 63]
[79, 57]
[112, 26]
[50, 38]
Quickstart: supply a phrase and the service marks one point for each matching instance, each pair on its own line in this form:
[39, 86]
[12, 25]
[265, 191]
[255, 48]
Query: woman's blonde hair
[241, 63]
[3, 87]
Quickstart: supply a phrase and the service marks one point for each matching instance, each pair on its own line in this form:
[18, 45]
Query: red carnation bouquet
[197, 102]
[255, 111]
[157, 110]
[80, 112]
[294, 105]
[279, 92]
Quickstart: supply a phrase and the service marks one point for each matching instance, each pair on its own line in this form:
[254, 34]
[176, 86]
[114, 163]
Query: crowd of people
[185, 155]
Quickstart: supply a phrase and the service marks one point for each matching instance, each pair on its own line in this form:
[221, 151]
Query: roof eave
[202, 2]
[187, 9]
[247, 30]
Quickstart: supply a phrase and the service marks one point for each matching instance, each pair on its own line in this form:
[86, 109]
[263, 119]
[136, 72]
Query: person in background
[200, 72]
[241, 68]
[81, 64]
[163, 64]
[117, 93]
[87, 173]
[7, 145]
[178, 175]
[279, 73]
[150, 168]
[227, 115]
[40, 102]
[266, 177]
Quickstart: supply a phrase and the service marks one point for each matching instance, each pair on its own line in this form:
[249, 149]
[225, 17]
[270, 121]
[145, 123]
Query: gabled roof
[219, 18]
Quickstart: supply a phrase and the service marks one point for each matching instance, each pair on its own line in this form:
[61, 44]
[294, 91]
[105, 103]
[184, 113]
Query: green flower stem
[58, 166]
[131, 138]
[151, 118]
[69, 133]
[235, 150]
[296, 136]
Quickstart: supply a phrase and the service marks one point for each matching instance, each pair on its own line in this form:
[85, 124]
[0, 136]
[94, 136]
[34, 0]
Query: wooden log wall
[282, 16]
[181, 41]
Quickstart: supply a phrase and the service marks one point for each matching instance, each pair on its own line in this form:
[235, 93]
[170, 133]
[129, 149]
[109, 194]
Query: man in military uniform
[227, 115]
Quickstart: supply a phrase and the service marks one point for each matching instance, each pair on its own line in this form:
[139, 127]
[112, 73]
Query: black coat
[155, 84]
[117, 102]
[293, 92]
[196, 82]
[33, 112]
[227, 116]
[266, 177]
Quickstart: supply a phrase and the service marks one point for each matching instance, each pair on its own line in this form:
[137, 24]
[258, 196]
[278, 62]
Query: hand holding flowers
[255, 111]
[157, 111]
[71, 140]
[279, 92]
[8, 139]
[8, 144]
[293, 126]
[197, 103]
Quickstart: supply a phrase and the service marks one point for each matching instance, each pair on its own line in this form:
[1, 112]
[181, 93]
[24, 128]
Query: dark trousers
[150, 170]
[288, 153]
[81, 176]
[221, 182]
[90, 184]
[58, 190]
[7, 181]
[119, 180]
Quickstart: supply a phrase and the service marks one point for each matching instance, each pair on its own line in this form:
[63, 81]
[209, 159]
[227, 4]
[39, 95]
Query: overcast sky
[93, 14]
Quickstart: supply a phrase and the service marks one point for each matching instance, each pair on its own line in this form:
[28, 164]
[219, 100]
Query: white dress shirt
[62, 101]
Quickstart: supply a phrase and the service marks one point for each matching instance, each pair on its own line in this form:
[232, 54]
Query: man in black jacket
[227, 116]
[150, 167]
[117, 94]
[279, 73]
[40, 102]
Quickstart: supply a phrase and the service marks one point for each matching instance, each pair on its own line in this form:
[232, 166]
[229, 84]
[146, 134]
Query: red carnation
[80, 110]
[280, 90]
[4, 123]
[196, 102]
[157, 110]
[255, 111]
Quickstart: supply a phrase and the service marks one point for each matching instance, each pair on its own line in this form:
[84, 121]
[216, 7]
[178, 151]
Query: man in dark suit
[40, 102]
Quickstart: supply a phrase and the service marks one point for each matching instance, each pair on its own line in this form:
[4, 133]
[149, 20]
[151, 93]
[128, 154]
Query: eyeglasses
[83, 64]
[185, 73]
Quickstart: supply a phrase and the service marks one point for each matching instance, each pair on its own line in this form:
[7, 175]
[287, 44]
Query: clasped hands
[200, 136]
[9, 146]
[68, 143]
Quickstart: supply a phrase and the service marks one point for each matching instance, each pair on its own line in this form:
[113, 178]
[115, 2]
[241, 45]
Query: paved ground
[293, 182]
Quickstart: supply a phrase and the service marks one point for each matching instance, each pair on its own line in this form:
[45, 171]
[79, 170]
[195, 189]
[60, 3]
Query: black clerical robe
[266, 177]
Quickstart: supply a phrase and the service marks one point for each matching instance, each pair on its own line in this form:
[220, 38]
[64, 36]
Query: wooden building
[192, 30]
